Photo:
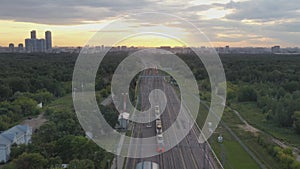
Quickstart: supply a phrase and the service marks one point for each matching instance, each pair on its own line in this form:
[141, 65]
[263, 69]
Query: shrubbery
[283, 155]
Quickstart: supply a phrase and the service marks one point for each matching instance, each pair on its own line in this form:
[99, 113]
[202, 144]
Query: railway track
[188, 154]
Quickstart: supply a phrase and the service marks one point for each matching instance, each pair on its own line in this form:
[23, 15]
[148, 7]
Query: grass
[235, 156]
[62, 103]
[256, 118]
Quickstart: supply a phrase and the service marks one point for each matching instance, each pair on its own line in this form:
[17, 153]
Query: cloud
[264, 10]
[65, 12]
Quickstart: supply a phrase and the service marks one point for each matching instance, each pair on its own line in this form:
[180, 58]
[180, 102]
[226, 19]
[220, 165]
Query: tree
[9, 166]
[30, 161]
[5, 92]
[19, 84]
[54, 162]
[26, 105]
[110, 115]
[296, 124]
[47, 133]
[81, 164]
[247, 94]
[291, 86]
[42, 96]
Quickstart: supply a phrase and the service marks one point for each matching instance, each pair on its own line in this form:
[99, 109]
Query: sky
[237, 23]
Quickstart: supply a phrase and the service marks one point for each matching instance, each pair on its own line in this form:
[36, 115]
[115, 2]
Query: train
[147, 165]
[157, 120]
[159, 135]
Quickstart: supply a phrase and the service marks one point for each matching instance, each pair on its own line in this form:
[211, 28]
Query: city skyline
[239, 23]
[33, 44]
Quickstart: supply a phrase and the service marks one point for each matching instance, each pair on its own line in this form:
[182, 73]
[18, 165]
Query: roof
[124, 116]
[8, 136]
[4, 141]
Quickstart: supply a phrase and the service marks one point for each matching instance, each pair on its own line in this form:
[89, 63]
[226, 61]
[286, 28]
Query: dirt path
[35, 123]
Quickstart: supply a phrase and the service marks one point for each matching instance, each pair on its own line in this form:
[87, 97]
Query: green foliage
[12, 112]
[286, 158]
[5, 92]
[30, 161]
[41, 96]
[81, 164]
[60, 123]
[34, 72]
[54, 162]
[25, 106]
[296, 117]
[247, 93]
[33, 78]
[9, 166]
[60, 142]
[110, 114]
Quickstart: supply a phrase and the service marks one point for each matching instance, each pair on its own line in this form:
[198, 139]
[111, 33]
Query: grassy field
[256, 118]
[62, 103]
[235, 156]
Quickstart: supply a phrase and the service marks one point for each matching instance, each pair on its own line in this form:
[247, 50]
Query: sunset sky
[237, 23]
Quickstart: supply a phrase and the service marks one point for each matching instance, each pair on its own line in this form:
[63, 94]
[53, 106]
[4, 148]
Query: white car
[160, 138]
[156, 110]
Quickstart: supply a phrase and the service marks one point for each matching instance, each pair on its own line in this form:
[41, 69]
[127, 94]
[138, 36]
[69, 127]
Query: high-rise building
[33, 34]
[28, 45]
[35, 45]
[11, 47]
[48, 40]
[40, 45]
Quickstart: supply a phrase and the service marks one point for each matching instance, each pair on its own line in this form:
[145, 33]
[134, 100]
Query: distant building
[48, 38]
[38, 45]
[41, 45]
[11, 47]
[275, 49]
[33, 34]
[165, 47]
[227, 49]
[20, 47]
[20, 134]
[123, 48]
[28, 45]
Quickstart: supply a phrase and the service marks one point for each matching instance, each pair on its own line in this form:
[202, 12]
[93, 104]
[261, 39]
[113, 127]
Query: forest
[30, 79]
[270, 81]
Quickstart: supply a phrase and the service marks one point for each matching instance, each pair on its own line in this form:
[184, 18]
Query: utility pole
[220, 140]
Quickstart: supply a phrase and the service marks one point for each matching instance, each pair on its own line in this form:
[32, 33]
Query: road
[189, 153]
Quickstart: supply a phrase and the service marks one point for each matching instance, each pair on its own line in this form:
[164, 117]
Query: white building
[20, 134]
[123, 120]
